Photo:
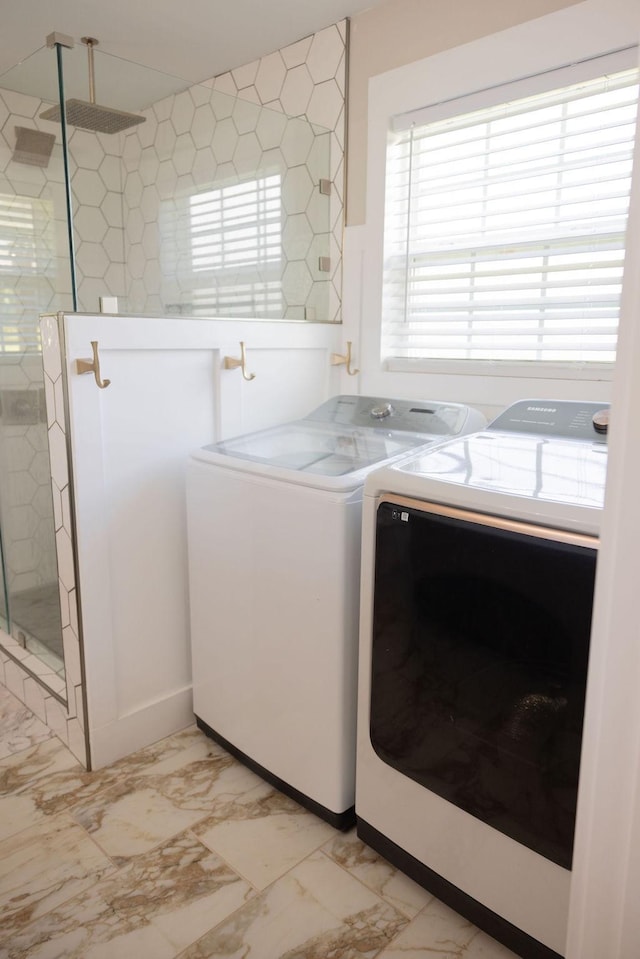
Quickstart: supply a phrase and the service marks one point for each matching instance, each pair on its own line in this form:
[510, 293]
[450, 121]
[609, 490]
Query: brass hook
[93, 366]
[339, 359]
[232, 363]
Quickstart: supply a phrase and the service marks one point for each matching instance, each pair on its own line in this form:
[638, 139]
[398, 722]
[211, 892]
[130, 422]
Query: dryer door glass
[479, 667]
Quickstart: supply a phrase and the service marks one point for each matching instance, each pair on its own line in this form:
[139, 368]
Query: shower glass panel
[227, 211]
[34, 278]
[202, 205]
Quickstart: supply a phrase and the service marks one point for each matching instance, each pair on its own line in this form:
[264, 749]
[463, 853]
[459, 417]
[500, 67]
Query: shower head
[94, 117]
[33, 147]
[89, 115]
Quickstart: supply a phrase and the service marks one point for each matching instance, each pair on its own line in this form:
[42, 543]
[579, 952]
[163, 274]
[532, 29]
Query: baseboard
[150, 723]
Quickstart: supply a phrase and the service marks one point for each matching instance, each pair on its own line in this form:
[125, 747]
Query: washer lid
[318, 449]
[337, 445]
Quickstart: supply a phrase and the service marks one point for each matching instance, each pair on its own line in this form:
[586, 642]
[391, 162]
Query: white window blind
[505, 228]
[27, 259]
[225, 247]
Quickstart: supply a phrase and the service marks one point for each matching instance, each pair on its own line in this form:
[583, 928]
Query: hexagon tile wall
[223, 130]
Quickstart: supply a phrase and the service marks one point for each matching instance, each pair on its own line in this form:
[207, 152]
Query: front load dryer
[274, 521]
[478, 570]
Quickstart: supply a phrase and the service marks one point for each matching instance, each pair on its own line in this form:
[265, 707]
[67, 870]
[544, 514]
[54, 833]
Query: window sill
[490, 368]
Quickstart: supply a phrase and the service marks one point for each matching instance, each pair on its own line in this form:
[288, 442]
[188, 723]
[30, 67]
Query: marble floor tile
[181, 852]
[316, 911]
[192, 770]
[19, 728]
[151, 909]
[27, 781]
[440, 933]
[376, 873]
[43, 866]
[156, 799]
[188, 768]
[130, 819]
[263, 834]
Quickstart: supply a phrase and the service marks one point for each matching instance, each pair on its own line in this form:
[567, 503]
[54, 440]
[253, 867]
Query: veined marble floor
[180, 851]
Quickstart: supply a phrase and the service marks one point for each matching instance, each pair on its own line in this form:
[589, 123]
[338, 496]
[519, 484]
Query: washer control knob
[601, 421]
[382, 411]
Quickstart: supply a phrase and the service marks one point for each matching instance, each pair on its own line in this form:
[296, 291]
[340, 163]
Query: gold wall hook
[93, 366]
[232, 363]
[339, 359]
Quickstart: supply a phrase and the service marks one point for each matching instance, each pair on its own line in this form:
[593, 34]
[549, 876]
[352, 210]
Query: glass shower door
[29, 565]
[34, 279]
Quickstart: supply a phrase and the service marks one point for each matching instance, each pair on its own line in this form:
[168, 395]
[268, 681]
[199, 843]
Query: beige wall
[398, 32]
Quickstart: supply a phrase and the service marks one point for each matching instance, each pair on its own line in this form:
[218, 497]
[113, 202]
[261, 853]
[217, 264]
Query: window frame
[580, 33]
[423, 249]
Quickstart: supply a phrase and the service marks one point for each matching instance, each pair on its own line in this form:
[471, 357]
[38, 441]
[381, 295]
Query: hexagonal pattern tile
[92, 259]
[182, 114]
[224, 140]
[296, 190]
[245, 116]
[204, 166]
[317, 210]
[296, 283]
[270, 77]
[224, 134]
[182, 158]
[88, 187]
[166, 180]
[86, 149]
[148, 167]
[296, 143]
[165, 141]
[325, 104]
[113, 244]
[246, 156]
[89, 221]
[296, 53]
[111, 173]
[244, 76]
[297, 236]
[325, 54]
[270, 128]
[296, 91]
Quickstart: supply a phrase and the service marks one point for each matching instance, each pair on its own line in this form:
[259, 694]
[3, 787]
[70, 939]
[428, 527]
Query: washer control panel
[415, 416]
[379, 412]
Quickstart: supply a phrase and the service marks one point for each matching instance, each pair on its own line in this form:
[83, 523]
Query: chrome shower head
[89, 115]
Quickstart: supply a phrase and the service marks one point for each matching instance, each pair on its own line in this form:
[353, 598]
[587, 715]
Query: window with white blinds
[224, 245]
[505, 228]
[27, 259]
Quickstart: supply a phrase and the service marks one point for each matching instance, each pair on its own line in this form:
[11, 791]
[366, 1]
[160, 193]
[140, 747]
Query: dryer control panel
[572, 419]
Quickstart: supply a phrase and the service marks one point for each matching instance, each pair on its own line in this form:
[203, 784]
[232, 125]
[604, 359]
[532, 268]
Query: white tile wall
[223, 131]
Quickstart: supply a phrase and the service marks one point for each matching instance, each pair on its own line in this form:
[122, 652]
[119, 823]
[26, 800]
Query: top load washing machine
[274, 565]
[478, 568]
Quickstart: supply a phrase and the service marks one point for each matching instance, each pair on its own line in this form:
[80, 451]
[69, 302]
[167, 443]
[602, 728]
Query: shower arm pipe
[59, 41]
[91, 43]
